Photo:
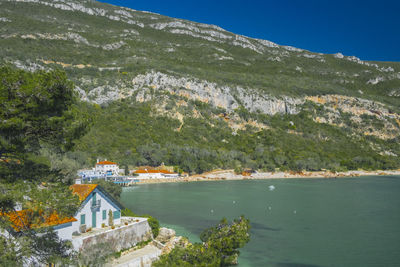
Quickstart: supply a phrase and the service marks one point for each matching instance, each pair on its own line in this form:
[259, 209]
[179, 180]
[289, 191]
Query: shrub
[110, 218]
[154, 225]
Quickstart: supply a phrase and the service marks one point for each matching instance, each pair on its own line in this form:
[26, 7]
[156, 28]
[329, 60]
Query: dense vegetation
[219, 248]
[129, 132]
[36, 111]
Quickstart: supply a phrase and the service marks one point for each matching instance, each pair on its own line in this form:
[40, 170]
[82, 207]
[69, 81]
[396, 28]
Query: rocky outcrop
[226, 97]
[169, 240]
[364, 113]
[165, 234]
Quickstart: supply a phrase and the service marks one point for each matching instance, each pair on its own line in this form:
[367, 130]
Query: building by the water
[106, 170]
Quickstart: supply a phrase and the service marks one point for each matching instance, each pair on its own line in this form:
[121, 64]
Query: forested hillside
[158, 89]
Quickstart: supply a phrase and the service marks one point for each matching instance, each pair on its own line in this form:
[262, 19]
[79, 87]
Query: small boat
[271, 188]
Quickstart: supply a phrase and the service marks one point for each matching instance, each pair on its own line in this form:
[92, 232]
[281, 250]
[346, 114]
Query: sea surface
[302, 222]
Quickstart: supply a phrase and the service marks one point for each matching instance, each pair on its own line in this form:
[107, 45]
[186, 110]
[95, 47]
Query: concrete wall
[117, 239]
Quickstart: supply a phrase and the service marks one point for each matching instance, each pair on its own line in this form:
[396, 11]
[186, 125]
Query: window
[117, 214]
[104, 214]
[82, 218]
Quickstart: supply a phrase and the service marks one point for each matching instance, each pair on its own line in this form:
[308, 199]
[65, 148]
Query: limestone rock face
[165, 235]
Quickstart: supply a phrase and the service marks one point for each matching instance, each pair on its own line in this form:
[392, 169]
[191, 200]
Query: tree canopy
[220, 246]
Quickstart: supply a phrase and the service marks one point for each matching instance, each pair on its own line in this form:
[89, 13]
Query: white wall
[156, 175]
[150, 175]
[103, 168]
[65, 230]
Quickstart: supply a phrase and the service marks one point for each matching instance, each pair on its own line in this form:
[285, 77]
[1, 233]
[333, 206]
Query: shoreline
[229, 175]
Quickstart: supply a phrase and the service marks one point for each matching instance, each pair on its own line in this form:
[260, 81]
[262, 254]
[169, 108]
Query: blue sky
[367, 29]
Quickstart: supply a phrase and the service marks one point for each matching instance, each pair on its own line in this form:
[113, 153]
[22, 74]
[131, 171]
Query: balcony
[95, 204]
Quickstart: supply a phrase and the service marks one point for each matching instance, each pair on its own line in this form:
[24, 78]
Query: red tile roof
[83, 190]
[106, 162]
[27, 219]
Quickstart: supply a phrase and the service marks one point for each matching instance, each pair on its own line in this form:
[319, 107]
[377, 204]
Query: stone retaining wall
[122, 237]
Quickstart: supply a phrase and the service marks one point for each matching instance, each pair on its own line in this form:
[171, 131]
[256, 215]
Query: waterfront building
[106, 170]
[155, 174]
[107, 167]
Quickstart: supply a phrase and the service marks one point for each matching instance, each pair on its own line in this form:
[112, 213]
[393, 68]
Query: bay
[301, 222]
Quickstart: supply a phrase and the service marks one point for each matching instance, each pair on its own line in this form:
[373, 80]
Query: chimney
[98, 160]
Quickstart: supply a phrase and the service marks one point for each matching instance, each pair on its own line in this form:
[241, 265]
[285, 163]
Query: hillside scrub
[291, 142]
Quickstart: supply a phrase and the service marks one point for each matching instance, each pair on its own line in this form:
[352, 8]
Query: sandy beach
[220, 175]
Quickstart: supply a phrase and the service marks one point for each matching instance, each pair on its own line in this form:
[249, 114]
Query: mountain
[200, 97]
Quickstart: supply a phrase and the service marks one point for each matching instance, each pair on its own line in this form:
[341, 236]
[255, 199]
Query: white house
[102, 170]
[155, 174]
[107, 167]
[96, 204]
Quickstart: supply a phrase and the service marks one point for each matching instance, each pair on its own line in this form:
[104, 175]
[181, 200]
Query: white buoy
[295, 212]
[212, 211]
[234, 202]
[271, 188]
[269, 208]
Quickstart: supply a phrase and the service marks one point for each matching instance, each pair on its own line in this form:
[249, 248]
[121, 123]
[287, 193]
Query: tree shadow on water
[260, 226]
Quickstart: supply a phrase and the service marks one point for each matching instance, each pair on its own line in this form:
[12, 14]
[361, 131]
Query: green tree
[219, 248]
[113, 189]
[36, 110]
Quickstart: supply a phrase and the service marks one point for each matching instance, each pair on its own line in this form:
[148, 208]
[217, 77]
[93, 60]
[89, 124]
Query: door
[93, 219]
[94, 209]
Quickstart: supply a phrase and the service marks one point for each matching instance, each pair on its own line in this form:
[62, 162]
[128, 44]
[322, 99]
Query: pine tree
[36, 110]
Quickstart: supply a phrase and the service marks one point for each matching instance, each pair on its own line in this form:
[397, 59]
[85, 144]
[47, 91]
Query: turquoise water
[303, 222]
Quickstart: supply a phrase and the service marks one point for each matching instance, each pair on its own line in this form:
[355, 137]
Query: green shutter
[104, 214]
[82, 218]
[117, 214]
